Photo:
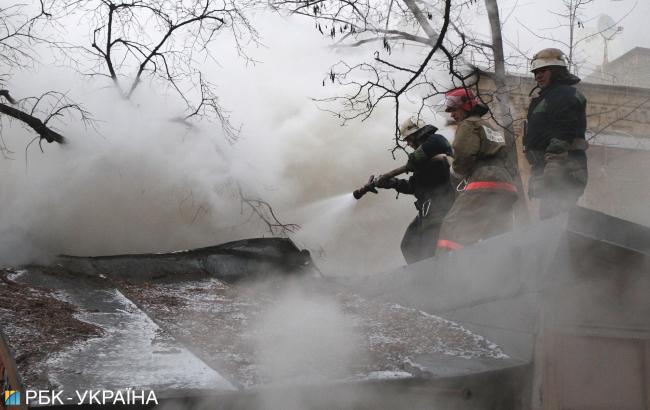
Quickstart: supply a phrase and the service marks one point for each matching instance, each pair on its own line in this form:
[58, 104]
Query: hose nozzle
[369, 187]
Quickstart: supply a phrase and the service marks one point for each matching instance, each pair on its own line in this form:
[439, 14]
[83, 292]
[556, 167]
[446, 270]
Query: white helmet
[548, 57]
[410, 126]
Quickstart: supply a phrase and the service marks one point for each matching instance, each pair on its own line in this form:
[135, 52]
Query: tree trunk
[504, 105]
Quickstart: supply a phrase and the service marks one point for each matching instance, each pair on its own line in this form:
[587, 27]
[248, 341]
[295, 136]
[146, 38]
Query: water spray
[371, 185]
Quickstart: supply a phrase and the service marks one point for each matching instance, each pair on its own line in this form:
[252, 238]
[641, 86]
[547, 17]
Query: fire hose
[371, 185]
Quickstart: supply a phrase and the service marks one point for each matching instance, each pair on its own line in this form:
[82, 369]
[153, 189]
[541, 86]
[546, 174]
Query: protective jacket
[557, 112]
[480, 156]
[555, 146]
[487, 193]
[434, 195]
[430, 179]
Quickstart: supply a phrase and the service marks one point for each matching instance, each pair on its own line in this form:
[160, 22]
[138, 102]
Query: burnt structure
[568, 297]
[554, 316]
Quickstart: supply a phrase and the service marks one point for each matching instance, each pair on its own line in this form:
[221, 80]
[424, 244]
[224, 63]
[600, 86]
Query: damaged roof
[218, 320]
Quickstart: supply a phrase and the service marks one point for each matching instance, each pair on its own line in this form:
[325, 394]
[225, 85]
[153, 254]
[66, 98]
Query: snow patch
[388, 375]
[15, 275]
[133, 352]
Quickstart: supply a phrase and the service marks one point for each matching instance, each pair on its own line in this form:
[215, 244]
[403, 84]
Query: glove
[557, 146]
[386, 183]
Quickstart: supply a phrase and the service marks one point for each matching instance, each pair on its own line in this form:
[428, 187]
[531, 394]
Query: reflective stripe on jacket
[504, 186]
[450, 245]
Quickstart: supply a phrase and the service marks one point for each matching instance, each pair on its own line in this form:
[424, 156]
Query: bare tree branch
[618, 119]
[264, 211]
[38, 113]
[34, 123]
[17, 40]
[137, 40]
[385, 78]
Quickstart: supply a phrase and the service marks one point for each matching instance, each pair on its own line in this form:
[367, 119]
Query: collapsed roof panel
[188, 330]
[232, 261]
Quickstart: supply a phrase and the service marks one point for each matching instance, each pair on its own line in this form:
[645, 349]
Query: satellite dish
[608, 29]
[607, 26]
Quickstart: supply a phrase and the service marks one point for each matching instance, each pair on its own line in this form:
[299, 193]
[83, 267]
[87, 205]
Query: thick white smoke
[146, 184]
[305, 338]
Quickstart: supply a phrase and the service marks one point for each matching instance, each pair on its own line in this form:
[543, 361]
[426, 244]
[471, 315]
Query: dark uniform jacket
[430, 179]
[558, 112]
[555, 146]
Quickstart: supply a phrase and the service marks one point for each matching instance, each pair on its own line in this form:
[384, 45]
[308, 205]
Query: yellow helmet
[548, 57]
[411, 125]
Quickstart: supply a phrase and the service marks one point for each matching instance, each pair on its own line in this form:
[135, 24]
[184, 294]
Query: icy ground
[221, 323]
[208, 334]
[133, 353]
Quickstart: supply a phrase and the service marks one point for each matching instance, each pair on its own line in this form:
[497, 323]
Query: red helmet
[460, 98]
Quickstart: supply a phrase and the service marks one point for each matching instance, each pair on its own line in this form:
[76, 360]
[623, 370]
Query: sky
[142, 184]
[518, 15]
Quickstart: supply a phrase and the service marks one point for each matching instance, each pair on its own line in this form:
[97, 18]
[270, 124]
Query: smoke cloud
[141, 183]
[305, 338]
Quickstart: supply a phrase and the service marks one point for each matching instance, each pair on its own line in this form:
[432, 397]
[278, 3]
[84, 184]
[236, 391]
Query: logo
[12, 398]
[493, 135]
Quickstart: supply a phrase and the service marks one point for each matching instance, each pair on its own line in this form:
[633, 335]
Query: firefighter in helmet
[429, 184]
[554, 140]
[484, 205]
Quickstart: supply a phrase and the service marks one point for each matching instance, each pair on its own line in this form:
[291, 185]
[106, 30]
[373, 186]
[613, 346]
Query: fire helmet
[460, 98]
[547, 58]
[410, 126]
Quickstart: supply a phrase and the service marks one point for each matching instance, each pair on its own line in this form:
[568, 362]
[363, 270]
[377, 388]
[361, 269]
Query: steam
[137, 189]
[305, 338]
[142, 183]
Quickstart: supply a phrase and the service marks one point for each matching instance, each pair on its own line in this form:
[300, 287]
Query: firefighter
[483, 207]
[554, 141]
[429, 184]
